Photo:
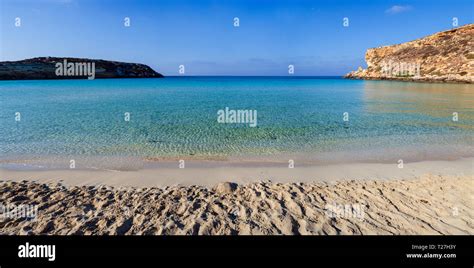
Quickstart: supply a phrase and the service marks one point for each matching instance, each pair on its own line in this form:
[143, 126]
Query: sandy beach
[432, 197]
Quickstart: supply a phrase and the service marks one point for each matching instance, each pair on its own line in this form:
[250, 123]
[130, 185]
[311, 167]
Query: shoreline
[205, 174]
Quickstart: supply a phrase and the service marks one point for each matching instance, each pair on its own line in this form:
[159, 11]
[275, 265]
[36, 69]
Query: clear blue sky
[200, 34]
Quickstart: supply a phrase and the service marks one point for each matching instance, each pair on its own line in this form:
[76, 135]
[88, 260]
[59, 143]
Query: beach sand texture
[429, 204]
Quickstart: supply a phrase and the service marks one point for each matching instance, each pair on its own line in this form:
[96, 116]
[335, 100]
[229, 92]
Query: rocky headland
[72, 68]
[446, 56]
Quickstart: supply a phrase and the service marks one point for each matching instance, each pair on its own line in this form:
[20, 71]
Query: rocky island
[72, 68]
[442, 57]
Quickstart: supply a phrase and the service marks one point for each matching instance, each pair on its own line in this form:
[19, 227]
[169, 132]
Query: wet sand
[210, 173]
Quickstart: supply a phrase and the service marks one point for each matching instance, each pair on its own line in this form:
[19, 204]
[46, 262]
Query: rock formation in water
[442, 57]
[72, 68]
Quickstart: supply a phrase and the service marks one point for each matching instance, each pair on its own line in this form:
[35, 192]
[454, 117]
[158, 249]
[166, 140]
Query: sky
[201, 36]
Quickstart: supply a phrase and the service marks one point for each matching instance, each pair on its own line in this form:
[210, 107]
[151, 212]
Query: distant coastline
[51, 68]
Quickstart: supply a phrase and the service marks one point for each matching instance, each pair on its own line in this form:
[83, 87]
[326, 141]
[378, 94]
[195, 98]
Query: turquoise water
[177, 118]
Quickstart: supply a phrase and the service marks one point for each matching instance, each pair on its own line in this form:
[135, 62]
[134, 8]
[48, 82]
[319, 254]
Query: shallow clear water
[177, 118]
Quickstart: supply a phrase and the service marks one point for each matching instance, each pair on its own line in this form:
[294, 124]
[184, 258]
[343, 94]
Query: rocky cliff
[442, 57]
[72, 68]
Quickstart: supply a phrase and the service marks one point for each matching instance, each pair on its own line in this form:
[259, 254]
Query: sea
[117, 123]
